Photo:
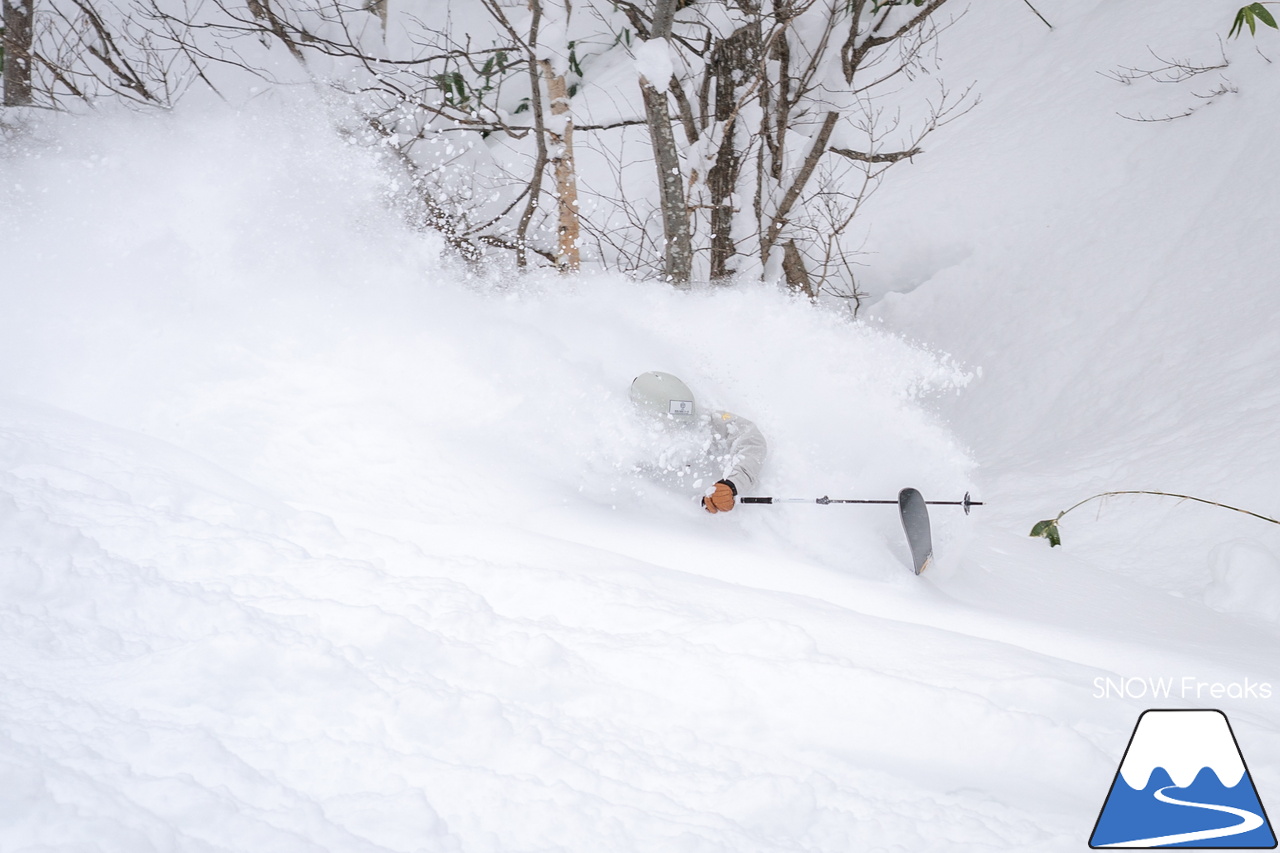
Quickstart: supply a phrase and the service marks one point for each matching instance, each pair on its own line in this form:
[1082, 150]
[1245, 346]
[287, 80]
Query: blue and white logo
[1183, 783]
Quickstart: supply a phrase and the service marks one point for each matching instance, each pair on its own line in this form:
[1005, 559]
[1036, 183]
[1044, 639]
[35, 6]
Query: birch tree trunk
[561, 157]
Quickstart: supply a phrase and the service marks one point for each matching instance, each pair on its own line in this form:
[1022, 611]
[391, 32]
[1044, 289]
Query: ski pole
[824, 500]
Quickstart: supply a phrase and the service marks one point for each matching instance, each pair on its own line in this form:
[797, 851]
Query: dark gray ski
[915, 522]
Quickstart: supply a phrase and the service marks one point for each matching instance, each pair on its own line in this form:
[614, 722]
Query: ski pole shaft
[824, 500]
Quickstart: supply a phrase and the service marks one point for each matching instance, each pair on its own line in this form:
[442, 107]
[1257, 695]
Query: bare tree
[767, 123]
[785, 131]
[678, 260]
[875, 42]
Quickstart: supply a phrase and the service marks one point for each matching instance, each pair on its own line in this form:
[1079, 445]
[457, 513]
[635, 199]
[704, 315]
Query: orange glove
[721, 500]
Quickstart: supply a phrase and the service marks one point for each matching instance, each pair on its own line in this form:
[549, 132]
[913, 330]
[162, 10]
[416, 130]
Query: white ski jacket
[721, 446]
[739, 448]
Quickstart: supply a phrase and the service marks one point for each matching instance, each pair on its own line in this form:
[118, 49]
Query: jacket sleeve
[747, 450]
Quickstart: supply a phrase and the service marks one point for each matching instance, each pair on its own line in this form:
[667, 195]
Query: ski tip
[928, 561]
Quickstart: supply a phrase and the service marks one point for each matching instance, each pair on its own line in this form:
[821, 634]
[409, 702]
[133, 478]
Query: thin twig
[1038, 15]
[1169, 495]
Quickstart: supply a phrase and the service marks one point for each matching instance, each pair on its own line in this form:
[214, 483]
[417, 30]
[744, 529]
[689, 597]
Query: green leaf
[460, 86]
[574, 64]
[1048, 529]
[1250, 15]
[442, 82]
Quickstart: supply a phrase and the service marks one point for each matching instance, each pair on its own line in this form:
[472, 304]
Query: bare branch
[875, 158]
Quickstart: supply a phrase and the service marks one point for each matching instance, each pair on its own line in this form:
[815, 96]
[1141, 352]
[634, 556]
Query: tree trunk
[561, 157]
[795, 272]
[534, 194]
[731, 65]
[675, 210]
[779, 218]
[17, 52]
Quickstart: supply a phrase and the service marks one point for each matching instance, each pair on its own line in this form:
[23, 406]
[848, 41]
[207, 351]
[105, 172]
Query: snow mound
[1245, 579]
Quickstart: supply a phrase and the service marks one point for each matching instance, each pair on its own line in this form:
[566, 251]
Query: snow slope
[1122, 259]
[313, 540]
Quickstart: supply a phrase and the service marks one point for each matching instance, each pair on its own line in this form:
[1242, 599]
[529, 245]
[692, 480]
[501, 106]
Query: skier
[700, 445]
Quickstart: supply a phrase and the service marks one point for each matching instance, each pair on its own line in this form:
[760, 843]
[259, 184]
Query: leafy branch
[1048, 529]
[1250, 15]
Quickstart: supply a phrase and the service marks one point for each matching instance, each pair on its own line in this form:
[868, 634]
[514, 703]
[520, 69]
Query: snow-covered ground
[311, 539]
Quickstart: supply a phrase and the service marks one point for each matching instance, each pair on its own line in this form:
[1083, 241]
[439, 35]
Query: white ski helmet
[663, 395]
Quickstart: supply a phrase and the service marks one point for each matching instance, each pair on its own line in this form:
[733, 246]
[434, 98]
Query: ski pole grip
[755, 500]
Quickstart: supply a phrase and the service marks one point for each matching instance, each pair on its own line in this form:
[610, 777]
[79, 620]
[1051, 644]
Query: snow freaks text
[1186, 687]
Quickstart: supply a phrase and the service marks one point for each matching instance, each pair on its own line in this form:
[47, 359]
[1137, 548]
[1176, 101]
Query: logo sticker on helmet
[681, 407]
